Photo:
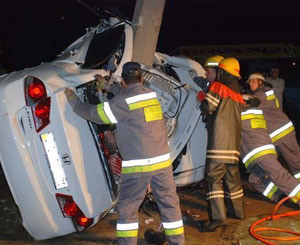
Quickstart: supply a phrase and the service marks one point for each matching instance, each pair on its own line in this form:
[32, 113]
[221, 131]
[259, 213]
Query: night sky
[33, 31]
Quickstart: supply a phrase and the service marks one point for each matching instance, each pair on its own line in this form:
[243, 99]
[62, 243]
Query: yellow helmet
[231, 65]
[213, 61]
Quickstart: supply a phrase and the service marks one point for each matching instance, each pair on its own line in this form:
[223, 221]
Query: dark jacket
[278, 124]
[140, 128]
[223, 105]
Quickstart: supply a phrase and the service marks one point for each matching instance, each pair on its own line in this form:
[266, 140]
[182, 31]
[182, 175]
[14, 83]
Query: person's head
[230, 65]
[255, 80]
[131, 73]
[211, 66]
[274, 72]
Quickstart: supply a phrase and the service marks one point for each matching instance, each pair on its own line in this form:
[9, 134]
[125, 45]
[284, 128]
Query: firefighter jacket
[140, 128]
[278, 124]
[255, 137]
[223, 105]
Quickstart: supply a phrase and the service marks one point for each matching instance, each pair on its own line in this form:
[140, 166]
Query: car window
[103, 46]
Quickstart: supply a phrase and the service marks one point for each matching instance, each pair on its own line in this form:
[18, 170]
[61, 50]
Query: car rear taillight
[37, 90]
[36, 98]
[70, 209]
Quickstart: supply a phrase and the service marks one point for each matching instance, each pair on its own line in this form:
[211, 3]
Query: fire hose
[274, 216]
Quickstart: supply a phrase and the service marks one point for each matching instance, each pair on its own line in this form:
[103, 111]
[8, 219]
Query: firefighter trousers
[132, 193]
[270, 178]
[289, 150]
[223, 181]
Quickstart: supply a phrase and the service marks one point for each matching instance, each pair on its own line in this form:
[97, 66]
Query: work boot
[211, 226]
[155, 237]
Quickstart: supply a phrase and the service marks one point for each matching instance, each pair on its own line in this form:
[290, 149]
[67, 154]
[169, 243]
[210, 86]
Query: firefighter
[280, 128]
[259, 156]
[211, 67]
[142, 141]
[223, 105]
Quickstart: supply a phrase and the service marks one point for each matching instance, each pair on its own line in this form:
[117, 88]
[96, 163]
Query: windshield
[103, 46]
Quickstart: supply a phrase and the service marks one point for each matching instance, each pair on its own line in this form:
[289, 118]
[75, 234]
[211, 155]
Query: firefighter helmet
[258, 76]
[231, 65]
[213, 61]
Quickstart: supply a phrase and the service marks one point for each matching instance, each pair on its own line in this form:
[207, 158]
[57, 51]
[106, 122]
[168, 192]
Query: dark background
[33, 31]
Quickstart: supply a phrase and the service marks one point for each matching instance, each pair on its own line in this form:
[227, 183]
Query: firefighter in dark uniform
[211, 67]
[223, 105]
[259, 156]
[143, 144]
[280, 128]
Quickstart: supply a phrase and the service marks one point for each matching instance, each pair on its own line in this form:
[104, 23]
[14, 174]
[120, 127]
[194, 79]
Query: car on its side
[55, 162]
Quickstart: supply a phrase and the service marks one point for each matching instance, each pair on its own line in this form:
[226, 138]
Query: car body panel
[28, 164]
[87, 183]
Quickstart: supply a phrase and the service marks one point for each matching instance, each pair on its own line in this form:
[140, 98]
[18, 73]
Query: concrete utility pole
[146, 25]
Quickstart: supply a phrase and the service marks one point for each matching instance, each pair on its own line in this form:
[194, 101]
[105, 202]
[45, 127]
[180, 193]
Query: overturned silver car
[56, 163]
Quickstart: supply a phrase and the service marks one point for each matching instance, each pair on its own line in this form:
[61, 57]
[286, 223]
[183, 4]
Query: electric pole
[146, 25]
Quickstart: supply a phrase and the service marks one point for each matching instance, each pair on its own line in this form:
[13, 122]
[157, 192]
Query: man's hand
[101, 82]
[70, 94]
[253, 102]
[247, 96]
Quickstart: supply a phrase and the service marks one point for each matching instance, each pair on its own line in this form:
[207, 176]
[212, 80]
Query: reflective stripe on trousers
[146, 165]
[234, 195]
[270, 190]
[223, 154]
[127, 230]
[295, 192]
[220, 194]
[173, 228]
[258, 152]
[214, 194]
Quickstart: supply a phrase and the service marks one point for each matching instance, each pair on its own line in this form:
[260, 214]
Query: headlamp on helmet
[213, 61]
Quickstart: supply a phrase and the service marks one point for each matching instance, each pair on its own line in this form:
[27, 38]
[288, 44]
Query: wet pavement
[193, 206]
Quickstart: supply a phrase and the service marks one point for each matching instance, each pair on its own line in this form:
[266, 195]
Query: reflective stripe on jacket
[255, 138]
[278, 123]
[223, 105]
[140, 128]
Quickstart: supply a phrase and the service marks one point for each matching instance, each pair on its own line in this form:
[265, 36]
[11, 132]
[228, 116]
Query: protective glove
[100, 82]
[253, 102]
[70, 94]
